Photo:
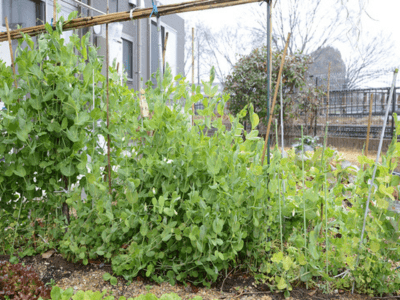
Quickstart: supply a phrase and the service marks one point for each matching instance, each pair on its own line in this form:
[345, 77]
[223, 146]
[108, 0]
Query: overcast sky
[379, 15]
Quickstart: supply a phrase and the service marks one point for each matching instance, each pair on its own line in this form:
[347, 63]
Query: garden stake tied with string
[144, 108]
[274, 100]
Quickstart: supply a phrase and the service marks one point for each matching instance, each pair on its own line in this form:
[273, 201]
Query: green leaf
[218, 224]
[212, 74]
[281, 284]
[161, 201]
[113, 281]
[143, 230]
[287, 263]
[277, 257]
[72, 134]
[107, 276]
[253, 135]
[91, 178]
[67, 169]
[20, 171]
[374, 246]
[254, 120]
[81, 119]
[55, 293]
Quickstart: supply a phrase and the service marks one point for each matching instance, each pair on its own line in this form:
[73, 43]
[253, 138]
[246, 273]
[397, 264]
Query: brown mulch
[90, 277]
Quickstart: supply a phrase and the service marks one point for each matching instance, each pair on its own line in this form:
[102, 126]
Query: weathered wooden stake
[369, 124]
[165, 49]
[55, 13]
[11, 54]
[327, 94]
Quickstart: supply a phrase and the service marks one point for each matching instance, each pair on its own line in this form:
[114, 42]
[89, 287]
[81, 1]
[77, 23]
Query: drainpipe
[149, 48]
[139, 48]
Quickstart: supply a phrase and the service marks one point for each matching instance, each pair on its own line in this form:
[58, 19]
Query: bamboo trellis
[142, 13]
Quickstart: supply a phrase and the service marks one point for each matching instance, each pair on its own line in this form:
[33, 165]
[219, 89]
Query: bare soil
[90, 277]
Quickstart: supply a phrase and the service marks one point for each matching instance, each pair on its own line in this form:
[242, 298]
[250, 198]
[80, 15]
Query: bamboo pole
[11, 54]
[55, 13]
[274, 100]
[144, 13]
[369, 124]
[193, 71]
[327, 94]
[108, 105]
[165, 49]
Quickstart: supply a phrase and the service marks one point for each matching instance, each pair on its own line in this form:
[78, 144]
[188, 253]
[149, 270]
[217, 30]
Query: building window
[127, 49]
[19, 13]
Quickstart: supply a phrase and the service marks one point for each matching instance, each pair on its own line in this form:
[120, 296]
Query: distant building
[124, 49]
[318, 70]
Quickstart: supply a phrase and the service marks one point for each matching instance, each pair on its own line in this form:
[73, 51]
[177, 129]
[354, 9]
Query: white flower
[169, 161]
[154, 191]
[123, 139]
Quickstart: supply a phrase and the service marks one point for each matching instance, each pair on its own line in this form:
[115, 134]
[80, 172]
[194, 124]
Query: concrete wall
[130, 32]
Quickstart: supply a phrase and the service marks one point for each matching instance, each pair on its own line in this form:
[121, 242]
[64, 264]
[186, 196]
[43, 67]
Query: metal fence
[348, 116]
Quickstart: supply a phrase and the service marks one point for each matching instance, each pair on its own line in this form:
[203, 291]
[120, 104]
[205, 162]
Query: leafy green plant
[107, 277]
[248, 82]
[308, 141]
[59, 294]
[183, 206]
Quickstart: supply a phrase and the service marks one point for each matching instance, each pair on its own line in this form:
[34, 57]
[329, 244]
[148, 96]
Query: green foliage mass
[247, 82]
[180, 200]
[183, 206]
[59, 294]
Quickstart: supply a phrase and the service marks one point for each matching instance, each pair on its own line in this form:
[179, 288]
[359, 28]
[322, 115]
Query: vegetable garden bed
[181, 206]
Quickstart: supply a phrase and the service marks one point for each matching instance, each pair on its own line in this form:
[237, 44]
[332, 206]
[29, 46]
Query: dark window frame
[40, 14]
[129, 72]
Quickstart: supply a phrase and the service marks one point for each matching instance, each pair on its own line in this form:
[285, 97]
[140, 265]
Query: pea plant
[183, 206]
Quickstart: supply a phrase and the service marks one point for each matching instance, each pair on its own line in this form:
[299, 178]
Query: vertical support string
[269, 70]
[283, 145]
[193, 71]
